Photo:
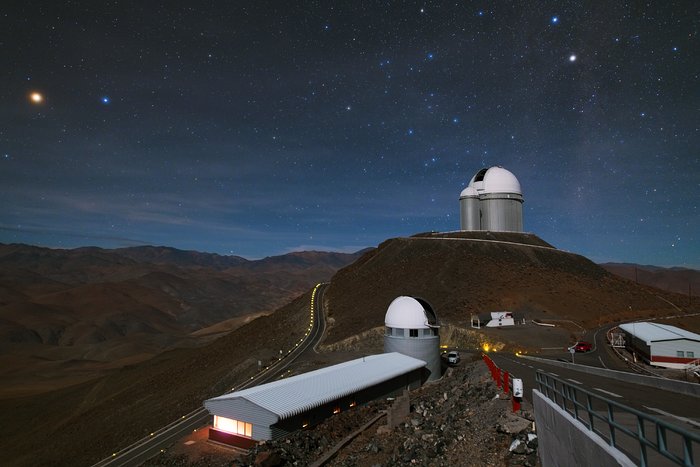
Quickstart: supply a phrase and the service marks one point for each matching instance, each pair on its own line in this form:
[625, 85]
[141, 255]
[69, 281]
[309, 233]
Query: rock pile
[460, 420]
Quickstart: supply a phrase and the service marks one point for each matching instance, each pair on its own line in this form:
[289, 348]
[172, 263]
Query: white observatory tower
[492, 201]
[412, 329]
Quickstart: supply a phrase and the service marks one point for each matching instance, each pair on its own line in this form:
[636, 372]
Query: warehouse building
[662, 345]
[276, 409]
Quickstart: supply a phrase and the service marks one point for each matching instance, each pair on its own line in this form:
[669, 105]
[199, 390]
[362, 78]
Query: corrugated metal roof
[290, 396]
[652, 332]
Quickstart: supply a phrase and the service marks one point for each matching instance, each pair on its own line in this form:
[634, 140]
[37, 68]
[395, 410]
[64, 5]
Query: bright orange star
[36, 97]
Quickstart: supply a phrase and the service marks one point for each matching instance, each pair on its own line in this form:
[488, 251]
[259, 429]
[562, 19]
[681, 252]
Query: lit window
[235, 427]
[336, 410]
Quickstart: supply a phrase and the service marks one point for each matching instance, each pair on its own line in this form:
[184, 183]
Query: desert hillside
[68, 315]
[81, 424]
[477, 272]
[678, 280]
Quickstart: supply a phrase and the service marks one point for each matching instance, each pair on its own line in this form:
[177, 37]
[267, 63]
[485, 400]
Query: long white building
[276, 409]
[662, 345]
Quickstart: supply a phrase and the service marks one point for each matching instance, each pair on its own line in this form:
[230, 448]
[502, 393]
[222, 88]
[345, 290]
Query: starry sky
[259, 128]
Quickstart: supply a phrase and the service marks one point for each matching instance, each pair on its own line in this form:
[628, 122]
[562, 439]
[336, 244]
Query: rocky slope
[460, 420]
[464, 274]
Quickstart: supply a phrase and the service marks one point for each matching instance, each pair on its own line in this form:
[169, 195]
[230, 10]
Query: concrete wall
[564, 441]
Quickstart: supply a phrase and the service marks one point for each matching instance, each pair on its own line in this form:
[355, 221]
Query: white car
[453, 357]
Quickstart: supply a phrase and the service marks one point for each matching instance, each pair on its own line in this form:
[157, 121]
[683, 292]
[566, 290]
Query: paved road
[676, 409]
[647, 399]
[160, 440]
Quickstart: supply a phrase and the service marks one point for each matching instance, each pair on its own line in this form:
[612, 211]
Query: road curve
[150, 446]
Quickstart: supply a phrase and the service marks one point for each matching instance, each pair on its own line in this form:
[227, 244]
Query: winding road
[146, 448]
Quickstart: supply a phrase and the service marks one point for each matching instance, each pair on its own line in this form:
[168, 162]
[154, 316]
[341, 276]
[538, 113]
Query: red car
[582, 346]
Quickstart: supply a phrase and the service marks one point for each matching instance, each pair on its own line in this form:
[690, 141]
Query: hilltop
[465, 273]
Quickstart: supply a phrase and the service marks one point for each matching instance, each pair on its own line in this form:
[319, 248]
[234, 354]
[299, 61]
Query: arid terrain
[67, 316]
[679, 280]
[459, 276]
[479, 272]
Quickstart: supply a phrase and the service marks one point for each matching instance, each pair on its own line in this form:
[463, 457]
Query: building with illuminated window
[274, 410]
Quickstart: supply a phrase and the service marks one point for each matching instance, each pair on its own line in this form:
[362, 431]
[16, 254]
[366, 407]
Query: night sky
[258, 128]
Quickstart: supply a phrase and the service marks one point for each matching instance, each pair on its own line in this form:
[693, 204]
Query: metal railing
[630, 431]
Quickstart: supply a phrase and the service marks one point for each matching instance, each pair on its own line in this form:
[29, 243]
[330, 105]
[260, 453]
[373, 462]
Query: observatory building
[412, 329]
[492, 201]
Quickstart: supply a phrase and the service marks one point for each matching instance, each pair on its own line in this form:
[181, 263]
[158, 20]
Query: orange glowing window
[235, 427]
[353, 404]
[336, 410]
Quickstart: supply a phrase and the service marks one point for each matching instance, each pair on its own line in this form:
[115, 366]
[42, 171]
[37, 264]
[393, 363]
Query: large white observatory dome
[495, 180]
[406, 313]
[493, 201]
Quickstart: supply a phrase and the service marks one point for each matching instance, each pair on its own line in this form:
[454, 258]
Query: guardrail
[504, 381]
[605, 418]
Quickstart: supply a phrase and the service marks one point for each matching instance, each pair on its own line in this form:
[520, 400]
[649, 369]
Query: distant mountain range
[458, 273]
[680, 280]
[91, 309]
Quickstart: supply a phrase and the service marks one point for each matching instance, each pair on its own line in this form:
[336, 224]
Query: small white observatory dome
[495, 180]
[406, 313]
[412, 329]
[469, 192]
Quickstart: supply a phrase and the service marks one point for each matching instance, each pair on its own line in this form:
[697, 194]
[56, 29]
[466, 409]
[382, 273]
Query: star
[554, 20]
[36, 97]
[572, 58]
[105, 100]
